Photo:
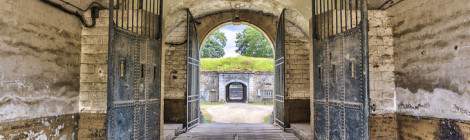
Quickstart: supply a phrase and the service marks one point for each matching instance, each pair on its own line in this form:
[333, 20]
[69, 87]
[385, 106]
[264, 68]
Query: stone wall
[39, 71]
[175, 75]
[261, 81]
[431, 58]
[227, 78]
[381, 68]
[209, 85]
[297, 63]
[431, 68]
[297, 72]
[175, 72]
[217, 81]
[383, 120]
[94, 78]
[94, 65]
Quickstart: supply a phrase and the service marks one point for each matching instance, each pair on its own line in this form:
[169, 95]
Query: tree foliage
[214, 47]
[251, 42]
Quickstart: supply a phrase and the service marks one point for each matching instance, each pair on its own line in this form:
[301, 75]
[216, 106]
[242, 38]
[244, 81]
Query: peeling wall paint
[440, 103]
[431, 60]
[39, 60]
[62, 127]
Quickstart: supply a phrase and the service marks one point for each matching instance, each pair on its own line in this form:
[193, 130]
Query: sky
[231, 31]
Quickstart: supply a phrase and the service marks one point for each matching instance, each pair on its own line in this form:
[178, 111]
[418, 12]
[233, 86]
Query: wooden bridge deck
[236, 132]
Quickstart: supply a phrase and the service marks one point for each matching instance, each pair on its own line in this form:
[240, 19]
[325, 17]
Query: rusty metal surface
[341, 75]
[134, 98]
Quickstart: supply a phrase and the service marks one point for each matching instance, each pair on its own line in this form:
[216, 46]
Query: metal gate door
[134, 69]
[279, 79]
[192, 93]
[341, 72]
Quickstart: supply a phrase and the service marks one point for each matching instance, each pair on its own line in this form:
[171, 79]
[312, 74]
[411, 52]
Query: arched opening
[236, 74]
[235, 92]
[293, 109]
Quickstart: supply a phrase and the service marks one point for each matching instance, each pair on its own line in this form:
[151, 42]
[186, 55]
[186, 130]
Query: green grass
[238, 64]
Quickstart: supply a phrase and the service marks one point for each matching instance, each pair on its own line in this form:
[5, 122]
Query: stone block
[94, 58]
[94, 48]
[93, 78]
[96, 31]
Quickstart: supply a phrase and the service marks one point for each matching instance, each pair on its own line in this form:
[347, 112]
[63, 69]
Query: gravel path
[239, 113]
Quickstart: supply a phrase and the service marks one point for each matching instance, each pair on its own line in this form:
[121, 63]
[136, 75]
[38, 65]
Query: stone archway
[227, 78]
[236, 92]
[298, 56]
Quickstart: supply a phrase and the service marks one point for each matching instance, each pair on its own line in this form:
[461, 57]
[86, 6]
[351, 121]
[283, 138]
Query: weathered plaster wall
[412, 128]
[40, 55]
[261, 81]
[432, 49]
[83, 4]
[39, 71]
[430, 56]
[383, 126]
[63, 127]
[209, 85]
[92, 126]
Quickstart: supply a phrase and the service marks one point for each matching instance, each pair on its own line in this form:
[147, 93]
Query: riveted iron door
[134, 99]
[279, 78]
[192, 75]
[341, 72]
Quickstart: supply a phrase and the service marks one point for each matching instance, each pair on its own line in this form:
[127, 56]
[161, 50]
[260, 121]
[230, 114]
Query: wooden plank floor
[236, 132]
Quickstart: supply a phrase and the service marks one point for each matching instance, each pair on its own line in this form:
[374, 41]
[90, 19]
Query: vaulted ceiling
[372, 4]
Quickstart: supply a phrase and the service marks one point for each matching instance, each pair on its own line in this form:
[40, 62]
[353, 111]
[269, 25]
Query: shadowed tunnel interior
[371, 69]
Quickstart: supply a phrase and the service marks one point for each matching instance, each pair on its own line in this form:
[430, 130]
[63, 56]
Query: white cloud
[230, 32]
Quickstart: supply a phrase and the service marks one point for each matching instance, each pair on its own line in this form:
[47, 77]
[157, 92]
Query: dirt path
[238, 113]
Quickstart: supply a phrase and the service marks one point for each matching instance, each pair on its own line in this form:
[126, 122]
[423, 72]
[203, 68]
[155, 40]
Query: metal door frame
[146, 103]
[324, 28]
[192, 73]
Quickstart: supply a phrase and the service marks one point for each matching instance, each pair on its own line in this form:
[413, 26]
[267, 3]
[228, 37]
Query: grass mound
[238, 64]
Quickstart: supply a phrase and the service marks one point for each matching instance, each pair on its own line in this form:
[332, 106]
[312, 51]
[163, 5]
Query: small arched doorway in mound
[236, 92]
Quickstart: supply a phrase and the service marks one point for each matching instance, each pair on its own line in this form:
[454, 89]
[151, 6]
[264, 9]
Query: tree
[214, 47]
[251, 42]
